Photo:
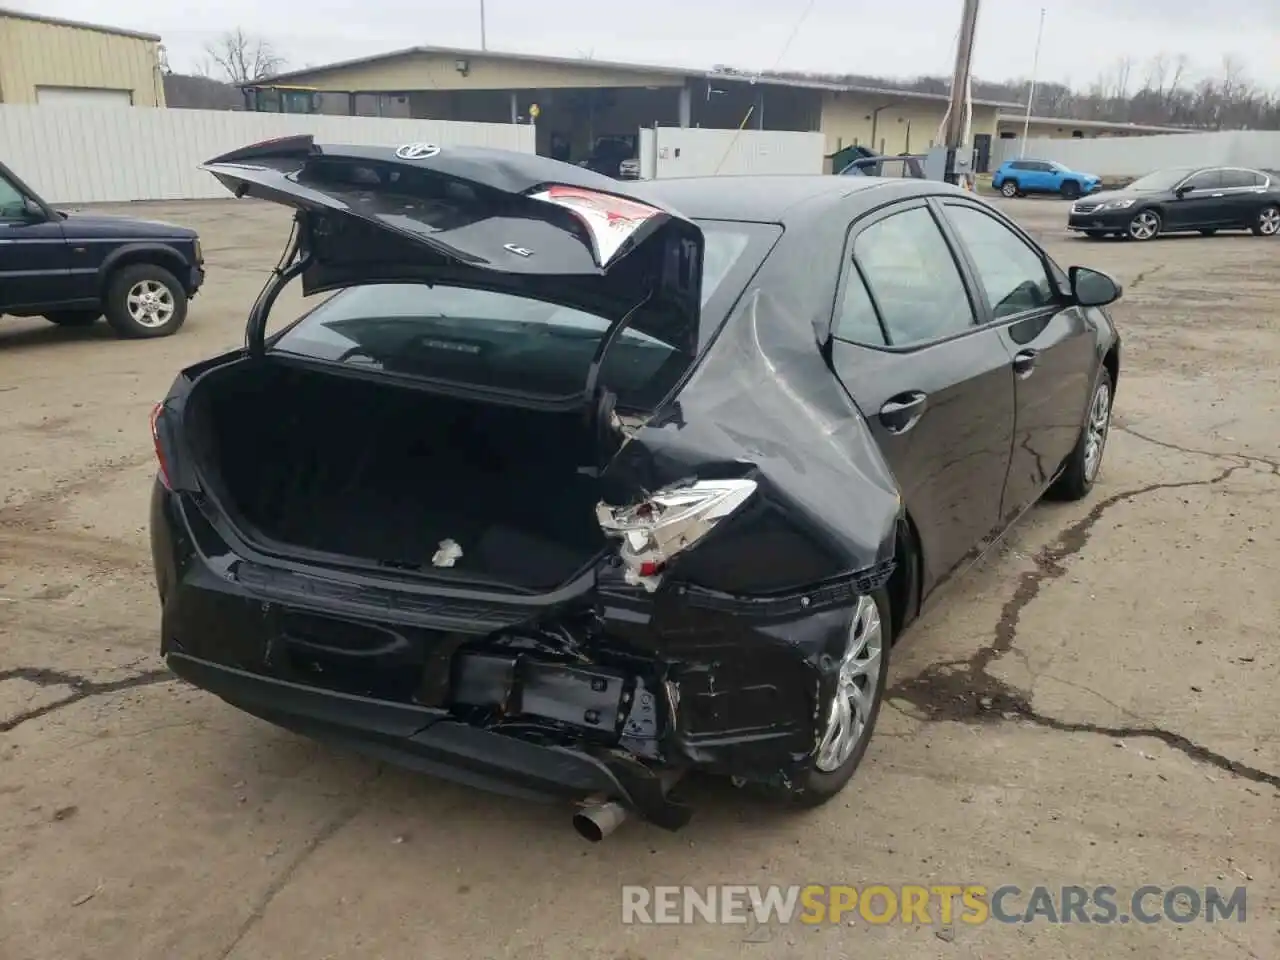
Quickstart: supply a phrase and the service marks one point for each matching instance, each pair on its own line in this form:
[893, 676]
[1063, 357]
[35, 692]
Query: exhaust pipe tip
[596, 821]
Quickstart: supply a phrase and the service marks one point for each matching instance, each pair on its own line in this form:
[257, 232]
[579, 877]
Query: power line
[795, 30]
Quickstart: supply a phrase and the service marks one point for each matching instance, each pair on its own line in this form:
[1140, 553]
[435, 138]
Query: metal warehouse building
[580, 100]
[48, 61]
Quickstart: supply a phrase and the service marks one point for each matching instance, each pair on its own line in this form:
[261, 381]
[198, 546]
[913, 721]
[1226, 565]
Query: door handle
[899, 414]
[1024, 363]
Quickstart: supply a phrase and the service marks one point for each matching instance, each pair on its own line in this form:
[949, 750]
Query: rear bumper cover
[669, 683]
[429, 741]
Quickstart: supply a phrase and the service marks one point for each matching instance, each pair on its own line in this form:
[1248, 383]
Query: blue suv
[1017, 178]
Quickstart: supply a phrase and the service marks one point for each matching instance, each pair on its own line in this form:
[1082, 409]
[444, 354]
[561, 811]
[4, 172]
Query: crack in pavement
[81, 689]
[345, 814]
[964, 691]
[1196, 452]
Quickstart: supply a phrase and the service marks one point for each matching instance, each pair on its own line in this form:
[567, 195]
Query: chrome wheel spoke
[857, 685]
[1096, 431]
[150, 303]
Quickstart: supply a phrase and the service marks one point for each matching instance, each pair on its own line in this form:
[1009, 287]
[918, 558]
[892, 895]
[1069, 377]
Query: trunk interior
[384, 473]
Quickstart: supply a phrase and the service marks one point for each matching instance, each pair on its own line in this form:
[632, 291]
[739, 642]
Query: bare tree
[241, 58]
[1229, 100]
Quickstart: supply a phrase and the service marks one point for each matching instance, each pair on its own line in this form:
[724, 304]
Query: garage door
[83, 97]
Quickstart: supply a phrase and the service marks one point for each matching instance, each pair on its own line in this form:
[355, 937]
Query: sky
[1083, 39]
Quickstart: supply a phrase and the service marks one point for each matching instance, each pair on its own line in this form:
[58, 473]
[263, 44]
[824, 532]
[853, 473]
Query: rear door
[1040, 176]
[1052, 342]
[1243, 193]
[33, 251]
[936, 388]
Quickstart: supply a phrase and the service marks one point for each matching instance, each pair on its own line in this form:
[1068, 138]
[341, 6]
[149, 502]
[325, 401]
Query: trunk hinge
[602, 420]
[293, 261]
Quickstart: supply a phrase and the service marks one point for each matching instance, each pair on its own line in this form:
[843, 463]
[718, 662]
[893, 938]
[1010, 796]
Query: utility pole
[483, 45]
[957, 112]
[1031, 97]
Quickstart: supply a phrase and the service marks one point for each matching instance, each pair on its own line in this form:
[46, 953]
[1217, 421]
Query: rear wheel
[145, 300]
[74, 318]
[851, 716]
[1268, 222]
[1145, 225]
[1086, 459]
[1070, 190]
[1009, 188]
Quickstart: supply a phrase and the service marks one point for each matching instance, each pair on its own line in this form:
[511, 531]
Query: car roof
[760, 198]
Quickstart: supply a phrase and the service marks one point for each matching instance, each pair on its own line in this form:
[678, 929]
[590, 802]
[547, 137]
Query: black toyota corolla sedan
[1181, 200]
[570, 487]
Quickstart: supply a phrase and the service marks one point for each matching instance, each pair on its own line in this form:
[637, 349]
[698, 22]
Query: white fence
[696, 152]
[1134, 156]
[73, 154]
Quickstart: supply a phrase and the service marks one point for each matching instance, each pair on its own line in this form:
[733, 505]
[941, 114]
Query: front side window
[1206, 180]
[1012, 274]
[913, 278]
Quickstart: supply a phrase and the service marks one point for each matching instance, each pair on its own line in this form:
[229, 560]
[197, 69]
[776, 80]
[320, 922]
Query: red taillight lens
[156, 413]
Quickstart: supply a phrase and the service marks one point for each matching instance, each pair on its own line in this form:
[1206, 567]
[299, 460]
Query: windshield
[1161, 179]
[515, 342]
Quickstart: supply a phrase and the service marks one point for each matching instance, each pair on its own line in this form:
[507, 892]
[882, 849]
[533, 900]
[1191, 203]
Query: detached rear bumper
[429, 741]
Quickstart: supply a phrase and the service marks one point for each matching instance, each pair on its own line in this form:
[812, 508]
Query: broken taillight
[673, 519]
[156, 412]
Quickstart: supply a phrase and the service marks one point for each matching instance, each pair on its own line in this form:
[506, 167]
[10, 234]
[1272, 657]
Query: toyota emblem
[417, 151]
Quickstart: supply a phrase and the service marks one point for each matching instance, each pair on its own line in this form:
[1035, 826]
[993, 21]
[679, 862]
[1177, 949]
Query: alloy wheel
[1009, 189]
[1096, 436]
[856, 688]
[1144, 226]
[1269, 221]
[150, 304]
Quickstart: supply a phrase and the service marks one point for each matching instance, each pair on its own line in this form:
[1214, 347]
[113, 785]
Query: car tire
[1268, 222]
[1070, 190]
[871, 623]
[1145, 225]
[1009, 189]
[74, 318]
[144, 300]
[1085, 461]
[1208, 232]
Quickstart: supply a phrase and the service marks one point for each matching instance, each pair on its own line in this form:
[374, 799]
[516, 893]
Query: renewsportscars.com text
[912, 903]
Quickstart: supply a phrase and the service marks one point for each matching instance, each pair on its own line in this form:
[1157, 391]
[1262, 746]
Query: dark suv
[73, 268]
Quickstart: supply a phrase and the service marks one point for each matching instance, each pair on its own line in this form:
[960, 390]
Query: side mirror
[1093, 288]
[32, 211]
[1183, 190]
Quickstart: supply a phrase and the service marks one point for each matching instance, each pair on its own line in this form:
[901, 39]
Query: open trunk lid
[479, 217]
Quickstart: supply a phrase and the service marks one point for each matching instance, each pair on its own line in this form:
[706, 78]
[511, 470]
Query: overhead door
[83, 97]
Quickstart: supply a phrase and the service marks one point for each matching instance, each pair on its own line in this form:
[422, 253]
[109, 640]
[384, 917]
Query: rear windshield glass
[512, 342]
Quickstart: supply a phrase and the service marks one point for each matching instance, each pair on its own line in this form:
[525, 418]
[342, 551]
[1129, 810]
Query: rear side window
[913, 278]
[856, 319]
[1241, 178]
